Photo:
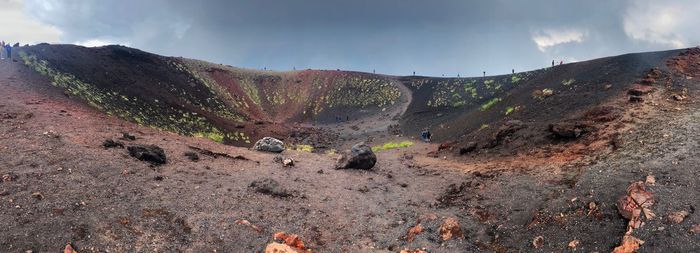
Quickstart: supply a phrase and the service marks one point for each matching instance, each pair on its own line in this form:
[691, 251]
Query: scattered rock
[640, 90]
[413, 231]
[570, 130]
[269, 186]
[544, 93]
[630, 244]
[359, 157]
[269, 144]
[650, 180]
[450, 229]
[538, 242]
[149, 153]
[616, 141]
[573, 244]
[363, 189]
[248, 224]
[128, 137]
[9, 177]
[637, 202]
[276, 247]
[636, 99]
[446, 145]
[677, 217]
[217, 154]
[695, 229]
[291, 240]
[69, 249]
[192, 156]
[285, 161]
[109, 143]
[407, 250]
[470, 147]
[678, 97]
[38, 195]
[288, 162]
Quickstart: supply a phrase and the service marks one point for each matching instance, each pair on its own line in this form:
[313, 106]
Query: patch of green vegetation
[214, 135]
[483, 126]
[218, 94]
[148, 113]
[304, 148]
[251, 91]
[514, 79]
[358, 91]
[509, 110]
[392, 145]
[489, 104]
[568, 82]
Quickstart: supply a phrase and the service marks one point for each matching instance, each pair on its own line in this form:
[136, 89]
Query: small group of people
[560, 63]
[5, 50]
[425, 135]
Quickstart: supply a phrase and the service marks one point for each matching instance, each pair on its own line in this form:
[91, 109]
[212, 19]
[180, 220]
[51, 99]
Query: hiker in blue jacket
[425, 135]
[8, 49]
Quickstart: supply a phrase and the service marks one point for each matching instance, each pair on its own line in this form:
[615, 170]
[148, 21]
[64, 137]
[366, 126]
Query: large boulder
[149, 153]
[359, 157]
[269, 144]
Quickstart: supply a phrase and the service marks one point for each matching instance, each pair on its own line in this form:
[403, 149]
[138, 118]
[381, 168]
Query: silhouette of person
[8, 48]
[552, 63]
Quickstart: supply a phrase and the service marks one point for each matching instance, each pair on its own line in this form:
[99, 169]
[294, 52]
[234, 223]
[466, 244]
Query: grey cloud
[391, 36]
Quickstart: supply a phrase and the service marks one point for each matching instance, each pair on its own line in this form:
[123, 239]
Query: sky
[431, 37]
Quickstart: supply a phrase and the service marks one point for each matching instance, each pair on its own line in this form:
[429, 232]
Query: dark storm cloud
[391, 36]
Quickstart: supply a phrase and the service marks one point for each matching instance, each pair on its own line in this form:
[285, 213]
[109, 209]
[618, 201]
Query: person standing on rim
[2, 52]
[8, 48]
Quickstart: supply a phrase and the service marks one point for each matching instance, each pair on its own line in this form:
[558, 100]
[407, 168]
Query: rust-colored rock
[637, 202]
[677, 217]
[450, 229]
[291, 240]
[412, 232]
[630, 244]
[279, 248]
[69, 249]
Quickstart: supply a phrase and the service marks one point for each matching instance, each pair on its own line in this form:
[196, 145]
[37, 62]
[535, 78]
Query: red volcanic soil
[526, 187]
